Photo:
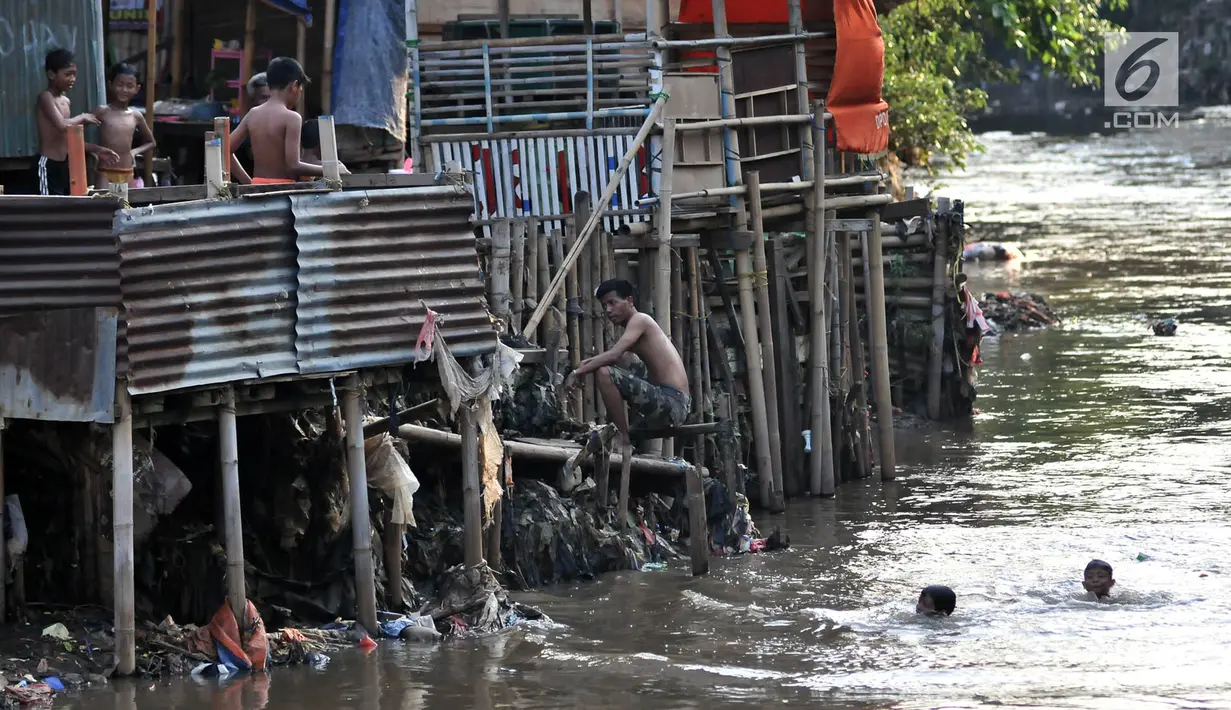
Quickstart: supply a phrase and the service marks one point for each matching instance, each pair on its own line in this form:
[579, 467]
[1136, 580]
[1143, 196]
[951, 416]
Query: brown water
[1095, 440]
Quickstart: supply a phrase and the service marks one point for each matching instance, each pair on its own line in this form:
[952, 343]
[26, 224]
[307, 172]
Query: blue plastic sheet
[370, 66]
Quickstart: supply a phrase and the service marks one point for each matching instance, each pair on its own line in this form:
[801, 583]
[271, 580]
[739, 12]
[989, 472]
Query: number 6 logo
[1132, 64]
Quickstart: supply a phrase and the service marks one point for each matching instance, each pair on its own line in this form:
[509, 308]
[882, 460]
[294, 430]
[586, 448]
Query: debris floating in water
[1167, 326]
[1017, 311]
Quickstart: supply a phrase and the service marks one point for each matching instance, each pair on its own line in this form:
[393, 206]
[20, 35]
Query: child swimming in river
[1098, 579]
[935, 600]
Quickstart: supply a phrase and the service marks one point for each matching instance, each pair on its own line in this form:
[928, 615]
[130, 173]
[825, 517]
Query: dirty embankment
[1095, 439]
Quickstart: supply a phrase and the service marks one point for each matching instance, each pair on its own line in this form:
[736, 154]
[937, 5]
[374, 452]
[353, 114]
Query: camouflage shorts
[650, 406]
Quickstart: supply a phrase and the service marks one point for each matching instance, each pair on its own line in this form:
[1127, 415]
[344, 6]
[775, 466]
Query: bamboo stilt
[770, 497]
[626, 464]
[361, 523]
[556, 246]
[471, 487]
[531, 292]
[936, 355]
[502, 252]
[858, 367]
[837, 375]
[393, 562]
[821, 478]
[594, 311]
[122, 531]
[696, 384]
[517, 275]
[878, 334]
[698, 533]
[608, 272]
[574, 311]
[583, 304]
[229, 451]
[787, 371]
[752, 181]
[663, 291]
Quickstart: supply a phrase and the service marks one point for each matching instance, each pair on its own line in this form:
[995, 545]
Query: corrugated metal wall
[370, 260]
[58, 365]
[28, 30]
[521, 177]
[209, 292]
[57, 252]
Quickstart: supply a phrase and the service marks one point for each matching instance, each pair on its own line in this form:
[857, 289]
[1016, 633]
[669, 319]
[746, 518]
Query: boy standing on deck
[119, 122]
[275, 128]
[51, 116]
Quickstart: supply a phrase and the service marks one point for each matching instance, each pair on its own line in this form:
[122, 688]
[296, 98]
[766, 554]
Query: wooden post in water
[821, 478]
[837, 353]
[517, 275]
[764, 323]
[471, 488]
[878, 334]
[122, 531]
[696, 383]
[393, 562]
[361, 523]
[936, 355]
[698, 533]
[789, 418]
[770, 498]
[228, 443]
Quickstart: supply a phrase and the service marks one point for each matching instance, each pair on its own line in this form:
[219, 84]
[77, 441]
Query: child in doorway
[1098, 579]
[935, 600]
[275, 128]
[51, 116]
[119, 122]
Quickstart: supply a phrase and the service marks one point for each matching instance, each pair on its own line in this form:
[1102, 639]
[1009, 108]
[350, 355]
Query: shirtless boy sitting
[52, 118]
[275, 129]
[657, 399]
[119, 122]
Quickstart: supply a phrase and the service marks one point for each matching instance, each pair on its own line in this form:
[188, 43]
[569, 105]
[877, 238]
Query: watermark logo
[1142, 71]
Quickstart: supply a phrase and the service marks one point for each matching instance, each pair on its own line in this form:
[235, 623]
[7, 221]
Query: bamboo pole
[736, 41]
[768, 359]
[696, 352]
[517, 275]
[122, 531]
[585, 313]
[177, 50]
[500, 258]
[596, 318]
[151, 80]
[228, 443]
[612, 185]
[581, 207]
[222, 131]
[531, 290]
[858, 367]
[327, 59]
[544, 275]
[249, 51]
[608, 256]
[837, 316]
[301, 56]
[563, 325]
[878, 334]
[936, 356]
[78, 182]
[789, 416]
[662, 252]
[821, 478]
[361, 523]
[796, 22]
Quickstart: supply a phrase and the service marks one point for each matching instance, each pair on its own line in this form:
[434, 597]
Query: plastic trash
[807, 441]
[317, 660]
[1142, 557]
[57, 631]
[653, 566]
[366, 643]
[54, 683]
[423, 630]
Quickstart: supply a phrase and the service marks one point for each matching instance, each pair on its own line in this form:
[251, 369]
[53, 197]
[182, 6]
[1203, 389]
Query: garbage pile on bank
[1011, 312]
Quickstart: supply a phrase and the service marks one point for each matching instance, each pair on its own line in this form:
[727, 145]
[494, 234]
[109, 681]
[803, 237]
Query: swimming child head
[936, 599]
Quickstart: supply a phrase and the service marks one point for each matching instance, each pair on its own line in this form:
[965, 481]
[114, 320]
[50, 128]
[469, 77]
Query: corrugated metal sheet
[209, 292]
[369, 261]
[57, 252]
[28, 30]
[520, 177]
[58, 365]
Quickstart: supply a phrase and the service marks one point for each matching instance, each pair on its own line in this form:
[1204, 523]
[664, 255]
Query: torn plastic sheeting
[17, 537]
[158, 487]
[388, 472]
[460, 387]
[491, 456]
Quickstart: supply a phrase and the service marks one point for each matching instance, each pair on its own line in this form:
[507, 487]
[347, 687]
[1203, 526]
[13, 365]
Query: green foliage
[935, 55]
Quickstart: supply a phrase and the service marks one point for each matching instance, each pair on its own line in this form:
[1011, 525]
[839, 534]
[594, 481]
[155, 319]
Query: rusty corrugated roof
[209, 292]
[58, 365]
[57, 252]
[368, 262]
[28, 30]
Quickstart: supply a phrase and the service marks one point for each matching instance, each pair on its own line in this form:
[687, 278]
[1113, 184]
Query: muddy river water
[1096, 439]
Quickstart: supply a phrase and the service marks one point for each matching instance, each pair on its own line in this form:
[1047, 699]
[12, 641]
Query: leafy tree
[936, 54]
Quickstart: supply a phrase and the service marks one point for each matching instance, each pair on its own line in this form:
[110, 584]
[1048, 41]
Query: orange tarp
[860, 114]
